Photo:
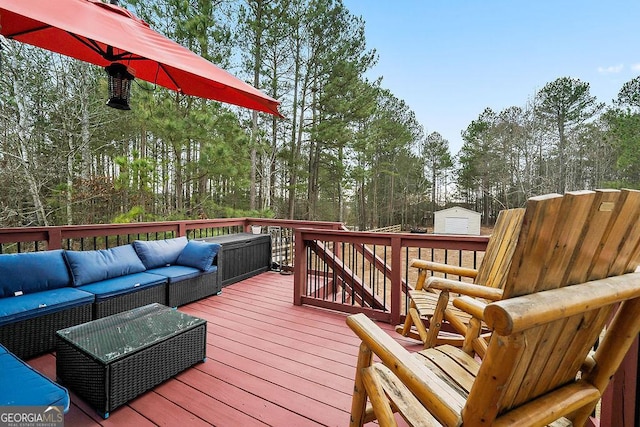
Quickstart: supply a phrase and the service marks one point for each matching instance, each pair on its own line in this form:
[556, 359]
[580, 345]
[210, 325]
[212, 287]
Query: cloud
[612, 69]
[635, 67]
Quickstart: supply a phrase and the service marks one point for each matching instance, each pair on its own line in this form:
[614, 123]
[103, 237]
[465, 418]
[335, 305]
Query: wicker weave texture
[30, 337]
[120, 303]
[84, 375]
[136, 374]
[242, 256]
[193, 289]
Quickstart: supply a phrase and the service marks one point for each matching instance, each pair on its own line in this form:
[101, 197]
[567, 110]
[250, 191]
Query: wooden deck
[268, 363]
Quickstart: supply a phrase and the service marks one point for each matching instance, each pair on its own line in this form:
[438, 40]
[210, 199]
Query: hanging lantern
[120, 78]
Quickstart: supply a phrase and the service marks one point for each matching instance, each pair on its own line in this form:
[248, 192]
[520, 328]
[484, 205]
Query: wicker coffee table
[109, 361]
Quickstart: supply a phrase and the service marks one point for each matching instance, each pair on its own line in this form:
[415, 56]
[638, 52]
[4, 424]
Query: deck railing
[103, 236]
[369, 272]
[340, 269]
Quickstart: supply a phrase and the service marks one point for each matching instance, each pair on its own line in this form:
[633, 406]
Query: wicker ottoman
[109, 361]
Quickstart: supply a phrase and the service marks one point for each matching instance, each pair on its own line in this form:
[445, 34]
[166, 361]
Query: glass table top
[113, 337]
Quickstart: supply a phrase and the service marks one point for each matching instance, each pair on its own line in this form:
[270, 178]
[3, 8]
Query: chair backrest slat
[502, 243]
[616, 250]
[533, 243]
[594, 232]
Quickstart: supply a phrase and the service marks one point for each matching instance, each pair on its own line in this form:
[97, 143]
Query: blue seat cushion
[30, 272]
[159, 253]
[123, 285]
[21, 385]
[14, 309]
[94, 266]
[198, 254]
[178, 273]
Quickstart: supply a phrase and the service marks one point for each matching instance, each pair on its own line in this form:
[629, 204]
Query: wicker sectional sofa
[42, 292]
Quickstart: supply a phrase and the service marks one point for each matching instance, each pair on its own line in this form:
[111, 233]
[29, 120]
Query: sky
[451, 59]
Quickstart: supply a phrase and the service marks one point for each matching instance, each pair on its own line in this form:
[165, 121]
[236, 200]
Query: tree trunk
[312, 185]
[257, 62]
[24, 137]
[562, 182]
[433, 190]
[293, 159]
[340, 197]
[69, 198]
[178, 177]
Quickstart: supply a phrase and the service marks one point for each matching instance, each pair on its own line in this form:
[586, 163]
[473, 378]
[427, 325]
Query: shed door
[456, 225]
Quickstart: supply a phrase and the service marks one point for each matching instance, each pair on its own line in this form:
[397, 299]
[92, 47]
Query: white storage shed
[457, 220]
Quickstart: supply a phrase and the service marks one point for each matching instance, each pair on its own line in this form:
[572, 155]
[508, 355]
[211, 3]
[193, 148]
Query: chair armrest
[470, 289]
[444, 268]
[471, 305]
[428, 387]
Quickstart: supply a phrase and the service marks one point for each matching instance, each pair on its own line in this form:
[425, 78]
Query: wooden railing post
[182, 229]
[54, 238]
[299, 267]
[396, 279]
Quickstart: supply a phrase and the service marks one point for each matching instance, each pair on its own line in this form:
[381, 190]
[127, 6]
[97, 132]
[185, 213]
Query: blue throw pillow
[31, 272]
[93, 266]
[198, 254]
[159, 253]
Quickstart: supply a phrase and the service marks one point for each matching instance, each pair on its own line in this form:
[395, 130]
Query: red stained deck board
[162, 411]
[243, 356]
[325, 324]
[254, 306]
[204, 404]
[268, 363]
[322, 410]
[295, 345]
[254, 405]
[291, 378]
[300, 321]
[303, 353]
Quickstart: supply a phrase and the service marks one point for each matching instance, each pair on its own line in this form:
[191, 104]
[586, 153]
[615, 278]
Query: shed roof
[457, 208]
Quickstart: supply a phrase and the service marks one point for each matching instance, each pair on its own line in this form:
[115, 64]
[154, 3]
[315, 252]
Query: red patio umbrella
[102, 34]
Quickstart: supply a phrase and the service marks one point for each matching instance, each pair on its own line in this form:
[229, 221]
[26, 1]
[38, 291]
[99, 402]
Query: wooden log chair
[573, 272]
[448, 324]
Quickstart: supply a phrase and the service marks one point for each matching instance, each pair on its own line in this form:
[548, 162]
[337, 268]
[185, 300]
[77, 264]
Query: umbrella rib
[94, 46]
[175, 83]
[91, 44]
[32, 30]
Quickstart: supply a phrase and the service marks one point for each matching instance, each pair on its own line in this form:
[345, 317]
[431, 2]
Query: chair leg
[435, 323]
[405, 329]
[359, 399]
[473, 332]
[417, 322]
[480, 346]
[422, 277]
[378, 398]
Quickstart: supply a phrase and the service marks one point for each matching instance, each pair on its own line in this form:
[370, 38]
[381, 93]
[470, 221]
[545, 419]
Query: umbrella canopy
[102, 33]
